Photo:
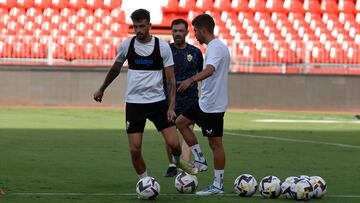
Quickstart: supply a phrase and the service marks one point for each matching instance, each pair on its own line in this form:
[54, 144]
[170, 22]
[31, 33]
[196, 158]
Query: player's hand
[171, 115]
[98, 95]
[185, 84]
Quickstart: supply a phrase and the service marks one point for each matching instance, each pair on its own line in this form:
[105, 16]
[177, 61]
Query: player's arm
[207, 72]
[111, 75]
[171, 88]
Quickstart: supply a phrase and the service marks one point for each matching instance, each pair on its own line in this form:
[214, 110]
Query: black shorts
[136, 115]
[212, 124]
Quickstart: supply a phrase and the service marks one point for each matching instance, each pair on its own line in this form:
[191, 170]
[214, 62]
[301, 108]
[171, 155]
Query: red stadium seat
[111, 4]
[5, 48]
[66, 12]
[118, 15]
[187, 5]
[312, 6]
[204, 5]
[346, 6]
[293, 6]
[240, 5]
[94, 4]
[222, 5]
[37, 50]
[171, 7]
[15, 12]
[8, 3]
[42, 4]
[257, 5]
[25, 3]
[275, 5]
[77, 4]
[48, 13]
[83, 13]
[329, 6]
[59, 4]
[101, 13]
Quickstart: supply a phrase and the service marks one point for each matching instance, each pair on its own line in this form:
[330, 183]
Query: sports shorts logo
[127, 125]
[209, 132]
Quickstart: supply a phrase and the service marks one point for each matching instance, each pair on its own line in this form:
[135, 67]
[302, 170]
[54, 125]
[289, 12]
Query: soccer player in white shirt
[147, 56]
[209, 112]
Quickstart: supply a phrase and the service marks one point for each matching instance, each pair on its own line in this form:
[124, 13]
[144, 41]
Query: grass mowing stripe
[293, 140]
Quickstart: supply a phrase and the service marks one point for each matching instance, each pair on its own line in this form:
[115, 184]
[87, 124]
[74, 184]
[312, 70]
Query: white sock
[198, 155]
[143, 175]
[219, 176]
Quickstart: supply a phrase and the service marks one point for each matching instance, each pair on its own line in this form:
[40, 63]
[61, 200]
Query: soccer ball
[301, 189]
[245, 185]
[304, 176]
[147, 188]
[319, 186]
[285, 187]
[186, 183]
[270, 187]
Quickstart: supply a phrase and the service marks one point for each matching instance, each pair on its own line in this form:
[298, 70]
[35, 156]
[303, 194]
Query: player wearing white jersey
[147, 56]
[209, 112]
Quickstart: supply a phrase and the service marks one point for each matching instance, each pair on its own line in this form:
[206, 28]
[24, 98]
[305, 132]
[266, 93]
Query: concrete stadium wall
[53, 86]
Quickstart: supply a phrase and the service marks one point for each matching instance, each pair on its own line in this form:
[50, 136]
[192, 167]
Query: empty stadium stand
[256, 31]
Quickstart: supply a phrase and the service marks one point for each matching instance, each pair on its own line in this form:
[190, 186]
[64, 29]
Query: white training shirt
[145, 86]
[214, 89]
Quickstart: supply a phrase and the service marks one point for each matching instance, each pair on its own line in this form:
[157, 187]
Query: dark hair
[140, 14]
[179, 21]
[204, 20]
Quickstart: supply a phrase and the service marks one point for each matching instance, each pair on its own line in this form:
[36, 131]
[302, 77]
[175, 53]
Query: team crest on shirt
[189, 57]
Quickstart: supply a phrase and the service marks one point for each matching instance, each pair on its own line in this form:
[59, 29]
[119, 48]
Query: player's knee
[215, 144]
[135, 151]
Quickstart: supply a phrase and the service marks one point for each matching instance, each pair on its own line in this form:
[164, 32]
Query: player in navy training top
[188, 61]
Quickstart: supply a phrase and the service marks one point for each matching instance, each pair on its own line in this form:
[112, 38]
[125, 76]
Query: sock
[219, 176]
[198, 155]
[176, 159]
[143, 175]
[172, 165]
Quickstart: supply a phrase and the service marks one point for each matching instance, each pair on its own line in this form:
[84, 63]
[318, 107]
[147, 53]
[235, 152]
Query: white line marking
[293, 140]
[306, 121]
[132, 194]
[279, 115]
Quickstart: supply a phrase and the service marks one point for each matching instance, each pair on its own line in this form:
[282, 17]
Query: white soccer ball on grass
[147, 188]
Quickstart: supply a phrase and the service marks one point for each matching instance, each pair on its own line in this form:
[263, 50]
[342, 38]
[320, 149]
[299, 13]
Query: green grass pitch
[52, 155]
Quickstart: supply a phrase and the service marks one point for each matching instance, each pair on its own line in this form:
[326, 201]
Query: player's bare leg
[172, 140]
[135, 143]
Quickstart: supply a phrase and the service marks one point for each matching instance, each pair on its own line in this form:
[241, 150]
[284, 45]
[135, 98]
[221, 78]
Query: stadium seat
[204, 5]
[37, 50]
[346, 6]
[275, 5]
[118, 15]
[111, 4]
[240, 5]
[94, 4]
[83, 13]
[59, 4]
[257, 5]
[312, 6]
[77, 4]
[187, 5]
[293, 6]
[329, 6]
[8, 4]
[171, 7]
[222, 5]
[42, 4]
[25, 4]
